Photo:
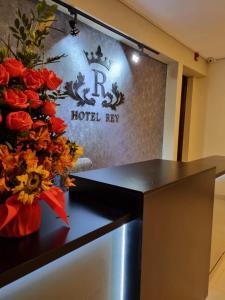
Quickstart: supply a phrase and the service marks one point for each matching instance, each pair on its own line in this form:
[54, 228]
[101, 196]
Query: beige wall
[195, 119]
[214, 134]
[119, 16]
[172, 110]
[205, 124]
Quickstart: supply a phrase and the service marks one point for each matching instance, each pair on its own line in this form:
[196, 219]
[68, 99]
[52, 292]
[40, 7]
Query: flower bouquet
[33, 149]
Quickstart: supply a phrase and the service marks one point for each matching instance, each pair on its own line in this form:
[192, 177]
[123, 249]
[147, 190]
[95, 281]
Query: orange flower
[57, 125]
[51, 80]
[63, 163]
[68, 182]
[3, 186]
[49, 108]
[32, 79]
[9, 160]
[58, 146]
[30, 158]
[19, 120]
[47, 163]
[15, 99]
[34, 99]
[4, 75]
[14, 67]
[38, 124]
[41, 137]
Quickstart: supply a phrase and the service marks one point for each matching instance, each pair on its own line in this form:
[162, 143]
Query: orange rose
[49, 108]
[19, 120]
[38, 124]
[14, 67]
[4, 75]
[32, 79]
[51, 80]
[57, 125]
[34, 99]
[15, 99]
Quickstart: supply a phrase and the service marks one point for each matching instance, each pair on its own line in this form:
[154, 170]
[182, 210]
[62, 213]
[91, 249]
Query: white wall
[214, 133]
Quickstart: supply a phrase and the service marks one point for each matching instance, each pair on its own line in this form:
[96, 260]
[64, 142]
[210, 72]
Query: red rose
[4, 75]
[34, 99]
[32, 79]
[14, 67]
[57, 125]
[19, 120]
[38, 124]
[15, 99]
[0, 118]
[49, 108]
[51, 80]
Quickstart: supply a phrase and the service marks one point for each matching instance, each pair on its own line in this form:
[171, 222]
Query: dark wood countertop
[19, 257]
[90, 218]
[145, 177]
[211, 161]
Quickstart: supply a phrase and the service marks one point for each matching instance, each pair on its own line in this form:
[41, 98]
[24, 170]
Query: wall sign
[84, 96]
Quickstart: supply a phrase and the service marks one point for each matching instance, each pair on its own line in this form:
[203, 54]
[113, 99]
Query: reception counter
[168, 206]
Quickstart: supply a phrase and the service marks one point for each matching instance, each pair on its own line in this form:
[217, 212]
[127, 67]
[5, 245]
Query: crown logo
[97, 58]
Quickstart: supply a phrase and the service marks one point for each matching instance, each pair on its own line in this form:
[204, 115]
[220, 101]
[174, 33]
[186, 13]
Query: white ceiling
[198, 24]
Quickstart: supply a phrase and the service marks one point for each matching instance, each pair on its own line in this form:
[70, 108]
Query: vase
[25, 222]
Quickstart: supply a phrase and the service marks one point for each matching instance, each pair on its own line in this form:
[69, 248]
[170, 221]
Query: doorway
[182, 117]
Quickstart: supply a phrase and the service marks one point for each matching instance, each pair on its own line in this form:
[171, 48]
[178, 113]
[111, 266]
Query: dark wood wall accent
[182, 118]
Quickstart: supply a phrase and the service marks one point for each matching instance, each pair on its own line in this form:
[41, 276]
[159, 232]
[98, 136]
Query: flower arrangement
[33, 148]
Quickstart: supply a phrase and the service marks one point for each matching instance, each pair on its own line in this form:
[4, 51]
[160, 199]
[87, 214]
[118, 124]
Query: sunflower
[34, 181]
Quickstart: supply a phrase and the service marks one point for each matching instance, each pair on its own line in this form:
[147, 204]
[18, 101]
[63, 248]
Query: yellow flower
[79, 151]
[31, 184]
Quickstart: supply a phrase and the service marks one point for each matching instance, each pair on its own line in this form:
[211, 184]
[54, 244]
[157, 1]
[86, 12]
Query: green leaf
[13, 29]
[29, 26]
[21, 29]
[24, 36]
[17, 36]
[19, 13]
[17, 23]
[24, 133]
[9, 145]
[25, 20]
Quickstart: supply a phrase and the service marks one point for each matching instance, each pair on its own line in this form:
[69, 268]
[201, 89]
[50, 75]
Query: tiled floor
[217, 275]
[217, 281]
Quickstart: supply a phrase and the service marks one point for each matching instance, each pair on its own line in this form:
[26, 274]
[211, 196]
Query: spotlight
[135, 57]
[73, 25]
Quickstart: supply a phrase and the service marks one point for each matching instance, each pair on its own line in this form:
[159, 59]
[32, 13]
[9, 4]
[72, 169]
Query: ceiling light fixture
[73, 24]
[135, 57]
